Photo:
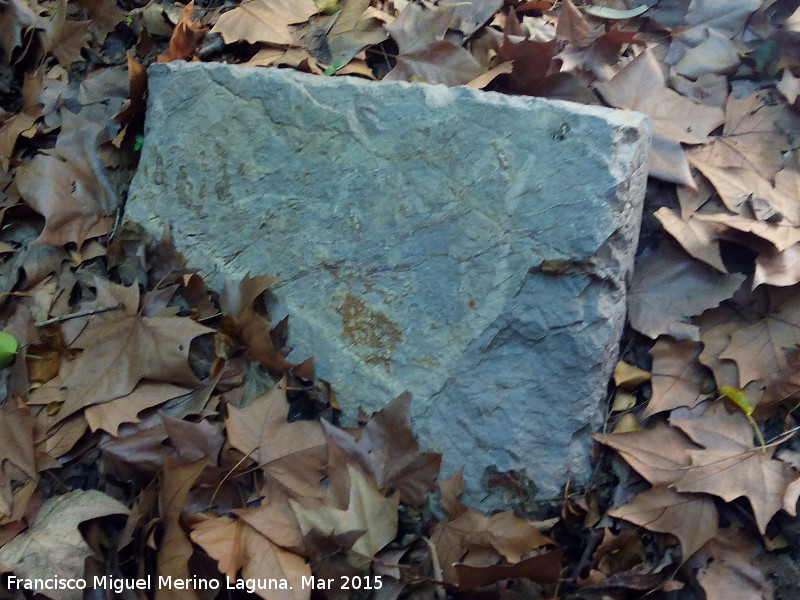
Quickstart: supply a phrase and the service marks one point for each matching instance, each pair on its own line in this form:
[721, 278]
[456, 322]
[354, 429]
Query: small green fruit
[8, 349]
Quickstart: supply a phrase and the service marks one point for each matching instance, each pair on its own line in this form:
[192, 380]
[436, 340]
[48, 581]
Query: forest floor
[132, 445]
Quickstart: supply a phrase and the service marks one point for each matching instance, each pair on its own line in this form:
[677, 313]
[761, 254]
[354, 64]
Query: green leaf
[8, 349]
[138, 142]
[612, 13]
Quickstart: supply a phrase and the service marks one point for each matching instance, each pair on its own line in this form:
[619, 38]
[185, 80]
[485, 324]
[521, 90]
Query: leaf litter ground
[134, 442]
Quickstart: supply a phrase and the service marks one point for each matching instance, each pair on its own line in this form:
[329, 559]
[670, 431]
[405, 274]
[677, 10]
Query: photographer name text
[119, 584]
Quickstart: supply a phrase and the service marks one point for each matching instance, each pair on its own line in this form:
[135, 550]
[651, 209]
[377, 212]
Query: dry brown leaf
[678, 377]
[692, 518]
[668, 288]
[660, 454]
[388, 451]
[778, 268]
[357, 26]
[698, 238]
[221, 538]
[266, 21]
[543, 568]
[629, 377]
[782, 235]
[105, 16]
[438, 62]
[110, 415]
[417, 27]
[53, 545]
[263, 557]
[125, 348]
[750, 139]
[17, 20]
[728, 567]
[17, 452]
[185, 37]
[760, 348]
[61, 37]
[290, 453]
[368, 510]
[276, 521]
[730, 465]
[175, 548]
[641, 86]
[68, 185]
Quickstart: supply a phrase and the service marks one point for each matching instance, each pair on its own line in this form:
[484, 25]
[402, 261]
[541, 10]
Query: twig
[80, 313]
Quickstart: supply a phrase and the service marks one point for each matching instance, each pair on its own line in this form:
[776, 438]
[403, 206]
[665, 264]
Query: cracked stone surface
[470, 247]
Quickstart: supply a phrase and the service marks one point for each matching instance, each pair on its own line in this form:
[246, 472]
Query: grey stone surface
[470, 247]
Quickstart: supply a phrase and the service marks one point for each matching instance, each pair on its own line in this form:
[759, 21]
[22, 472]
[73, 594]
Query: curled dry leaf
[53, 545]
[368, 510]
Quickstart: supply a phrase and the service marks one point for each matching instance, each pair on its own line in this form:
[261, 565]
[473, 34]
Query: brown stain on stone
[374, 335]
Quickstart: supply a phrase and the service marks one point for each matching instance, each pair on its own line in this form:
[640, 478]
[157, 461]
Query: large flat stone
[470, 247]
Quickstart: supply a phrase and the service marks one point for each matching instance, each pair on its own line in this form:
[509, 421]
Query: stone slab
[467, 246]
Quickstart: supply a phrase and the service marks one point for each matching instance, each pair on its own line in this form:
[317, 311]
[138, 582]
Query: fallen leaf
[660, 454]
[234, 545]
[185, 37]
[760, 348]
[68, 185]
[678, 377]
[730, 465]
[53, 545]
[290, 453]
[699, 238]
[368, 510]
[110, 415]
[126, 348]
[628, 376]
[387, 450]
[417, 27]
[266, 21]
[728, 567]
[750, 139]
[692, 518]
[175, 548]
[641, 86]
[667, 289]
[438, 62]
